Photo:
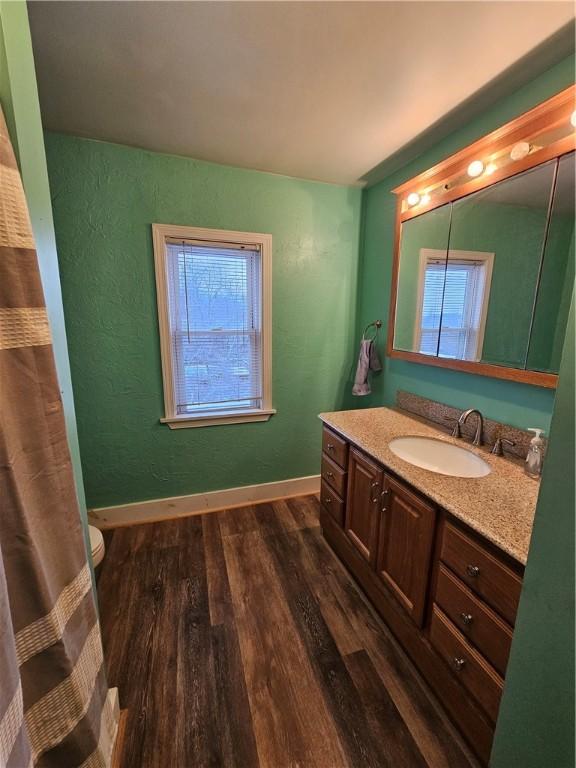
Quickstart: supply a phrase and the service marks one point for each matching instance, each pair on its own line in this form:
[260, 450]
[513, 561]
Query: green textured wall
[19, 99]
[105, 197]
[536, 724]
[517, 404]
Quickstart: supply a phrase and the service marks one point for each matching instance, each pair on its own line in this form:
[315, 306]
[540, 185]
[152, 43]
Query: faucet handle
[456, 431]
[497, 449]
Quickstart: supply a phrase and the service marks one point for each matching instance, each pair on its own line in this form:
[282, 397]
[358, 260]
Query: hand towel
[368, 359]
[375, 364]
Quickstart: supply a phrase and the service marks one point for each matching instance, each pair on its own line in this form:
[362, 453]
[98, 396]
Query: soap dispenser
[535, 456]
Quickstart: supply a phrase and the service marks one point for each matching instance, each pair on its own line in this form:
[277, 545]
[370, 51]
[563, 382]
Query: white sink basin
[438, 456]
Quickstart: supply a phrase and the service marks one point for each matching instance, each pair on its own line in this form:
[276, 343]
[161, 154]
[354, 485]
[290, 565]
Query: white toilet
[96, 545]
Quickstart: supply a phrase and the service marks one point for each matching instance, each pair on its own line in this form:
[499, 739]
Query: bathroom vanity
[441, 558]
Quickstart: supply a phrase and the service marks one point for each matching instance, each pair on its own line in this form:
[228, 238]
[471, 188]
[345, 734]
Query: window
[214, 310]
[452, 303]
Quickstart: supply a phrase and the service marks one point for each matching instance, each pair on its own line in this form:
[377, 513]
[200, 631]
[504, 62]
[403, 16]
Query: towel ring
[377, 324]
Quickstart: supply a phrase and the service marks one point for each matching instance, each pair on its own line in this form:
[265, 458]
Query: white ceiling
[318, 90]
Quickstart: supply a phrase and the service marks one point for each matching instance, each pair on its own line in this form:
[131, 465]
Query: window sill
[233, 417]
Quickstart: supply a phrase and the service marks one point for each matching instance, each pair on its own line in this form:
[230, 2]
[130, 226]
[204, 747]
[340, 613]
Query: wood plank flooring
[238, 639]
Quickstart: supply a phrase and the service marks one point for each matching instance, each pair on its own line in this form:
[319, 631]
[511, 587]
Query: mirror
[423, 250]
[557, 279]
[488, 278]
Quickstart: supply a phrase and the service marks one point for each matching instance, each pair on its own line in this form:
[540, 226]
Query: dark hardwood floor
[238, 639]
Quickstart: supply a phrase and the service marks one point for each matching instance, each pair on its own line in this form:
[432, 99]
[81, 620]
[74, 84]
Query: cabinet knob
[458, 664]
[327, 500]
[383, 496]
[375, 485]
[329, 447]
[330, 474]
[473, 571]
[467, 618]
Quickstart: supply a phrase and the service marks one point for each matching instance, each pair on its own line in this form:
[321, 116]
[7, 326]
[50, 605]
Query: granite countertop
[499, 506]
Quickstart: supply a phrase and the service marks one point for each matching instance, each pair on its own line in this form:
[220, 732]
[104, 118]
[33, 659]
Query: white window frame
[160, 234]
[430, 254]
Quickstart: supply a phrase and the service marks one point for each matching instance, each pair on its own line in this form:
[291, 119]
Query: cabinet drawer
[333, 475]
[474, 672]
[481, 626]
[335, 447]
[483, 573]
[332, 503]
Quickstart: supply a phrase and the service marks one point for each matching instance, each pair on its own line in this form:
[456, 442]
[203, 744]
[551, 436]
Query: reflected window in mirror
[454, 293]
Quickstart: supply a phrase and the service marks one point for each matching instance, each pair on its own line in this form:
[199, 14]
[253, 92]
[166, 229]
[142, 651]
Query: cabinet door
[405, 546]
[363, 504]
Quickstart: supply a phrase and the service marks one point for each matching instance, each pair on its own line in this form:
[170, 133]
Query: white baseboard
[199, 503]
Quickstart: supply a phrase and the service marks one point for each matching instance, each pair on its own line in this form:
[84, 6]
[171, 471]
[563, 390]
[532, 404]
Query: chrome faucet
[462, 420]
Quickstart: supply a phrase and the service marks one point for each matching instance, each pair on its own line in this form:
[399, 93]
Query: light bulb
[520, 150]
[573, 119]
[490, 168]
[425, 199]
[413, 199]
[475, 168]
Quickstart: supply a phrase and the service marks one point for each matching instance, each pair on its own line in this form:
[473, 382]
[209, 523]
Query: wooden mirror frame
[449, 182]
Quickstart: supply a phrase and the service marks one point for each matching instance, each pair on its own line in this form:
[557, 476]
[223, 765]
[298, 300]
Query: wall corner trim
[155, 510]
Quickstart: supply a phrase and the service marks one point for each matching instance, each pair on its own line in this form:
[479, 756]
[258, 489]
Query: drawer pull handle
[327, 500]
[330, 474]
[467, 618]
[330, 447]
[459, 664]
[473, 571]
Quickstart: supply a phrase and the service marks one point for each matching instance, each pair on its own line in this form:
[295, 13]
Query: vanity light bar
[475, 169]
[547, 131]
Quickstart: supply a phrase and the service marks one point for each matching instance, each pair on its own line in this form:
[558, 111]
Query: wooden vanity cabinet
[405, 545]
[448, 596]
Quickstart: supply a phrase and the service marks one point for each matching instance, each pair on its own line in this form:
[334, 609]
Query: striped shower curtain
[55, 708]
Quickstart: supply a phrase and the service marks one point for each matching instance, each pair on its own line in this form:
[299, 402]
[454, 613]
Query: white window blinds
[461, 311]
[215, 310]
[432, 306]
[452, 303]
